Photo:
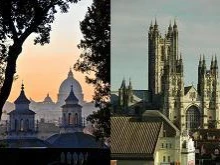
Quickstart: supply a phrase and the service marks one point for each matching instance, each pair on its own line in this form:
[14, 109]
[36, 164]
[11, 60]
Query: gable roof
[131, 138]
[156, 116]
[186, 89]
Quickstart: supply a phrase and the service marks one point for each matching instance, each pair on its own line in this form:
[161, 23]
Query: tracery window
[192, 118]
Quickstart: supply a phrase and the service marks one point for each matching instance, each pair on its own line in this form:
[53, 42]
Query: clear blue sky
[198, 24]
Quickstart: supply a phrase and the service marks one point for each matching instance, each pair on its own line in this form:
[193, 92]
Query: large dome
[65, 88]
[73, 140]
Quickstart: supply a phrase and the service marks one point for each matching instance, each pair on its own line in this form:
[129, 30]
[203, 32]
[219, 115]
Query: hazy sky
[43, 68]
[198, 24]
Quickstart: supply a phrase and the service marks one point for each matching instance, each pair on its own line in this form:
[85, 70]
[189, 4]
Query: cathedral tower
[208, 90]
[165, 70]
[161, 51]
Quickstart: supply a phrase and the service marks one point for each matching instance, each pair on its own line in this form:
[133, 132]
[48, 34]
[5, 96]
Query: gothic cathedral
[189, 107]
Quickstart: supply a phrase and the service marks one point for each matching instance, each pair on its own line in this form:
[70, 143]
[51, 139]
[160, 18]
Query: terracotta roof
[131, 138]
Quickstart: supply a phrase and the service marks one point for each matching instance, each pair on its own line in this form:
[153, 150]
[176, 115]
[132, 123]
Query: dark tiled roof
[71, 96]
[186, 89]
[73, 140]
[22, 111]
[156, 116]
[131, 137]
[26, 142]
[22, 99]
[142, 94]
[71, 106]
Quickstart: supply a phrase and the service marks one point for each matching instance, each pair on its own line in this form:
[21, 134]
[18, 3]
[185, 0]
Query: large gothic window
[192, 118]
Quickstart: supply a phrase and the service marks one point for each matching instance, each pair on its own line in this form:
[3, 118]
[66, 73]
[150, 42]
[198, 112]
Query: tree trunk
[13, 53]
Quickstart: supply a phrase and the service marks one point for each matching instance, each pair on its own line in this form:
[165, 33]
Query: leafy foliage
[19, 19]
[96, 59]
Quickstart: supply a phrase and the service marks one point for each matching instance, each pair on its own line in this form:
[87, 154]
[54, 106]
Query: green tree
[96, 59]
[19, 19]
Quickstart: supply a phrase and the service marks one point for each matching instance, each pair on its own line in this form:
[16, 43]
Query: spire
[123, 83]
[203, 61]
[212, 64]
[22, 99]
[70, 74]
[151, 26]
[175, 25]
[72, 97]
[170, 27]
[203, 65]
[200, 61]
[181, 57]
[155, 24]
[216, 62]
[130, 85]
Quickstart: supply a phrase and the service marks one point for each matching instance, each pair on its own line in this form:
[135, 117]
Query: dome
[48, 99]
[66, 84]
[25, 142]
[73, 140]
[64, 89]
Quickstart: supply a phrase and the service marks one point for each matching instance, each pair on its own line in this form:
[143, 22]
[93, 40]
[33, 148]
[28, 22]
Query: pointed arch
[76, 119]
[16, 125]
[27, 125]
[193, 117]
[69, 118]
[21, 125]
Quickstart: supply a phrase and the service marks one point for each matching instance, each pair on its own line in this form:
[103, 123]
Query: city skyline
[43, 68]
[197, 22]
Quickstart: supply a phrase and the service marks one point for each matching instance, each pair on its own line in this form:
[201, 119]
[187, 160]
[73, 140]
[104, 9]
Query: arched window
[76, 119]
[21, 125]
[16, 124]
[192, 118]
[64, 118]
[69, 118]
[27, 124]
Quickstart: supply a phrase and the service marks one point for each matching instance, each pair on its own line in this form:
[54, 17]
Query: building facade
[188, 107]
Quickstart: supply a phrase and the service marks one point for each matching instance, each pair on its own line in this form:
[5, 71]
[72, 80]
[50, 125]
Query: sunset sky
[43, 68]
[198, 24]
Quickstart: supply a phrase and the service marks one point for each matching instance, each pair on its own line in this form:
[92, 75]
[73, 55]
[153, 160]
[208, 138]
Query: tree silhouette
[96, 59]
[19, 19]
